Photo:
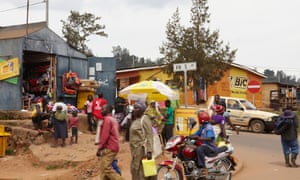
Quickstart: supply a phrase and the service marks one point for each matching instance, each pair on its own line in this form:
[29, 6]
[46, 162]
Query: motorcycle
[184, 164]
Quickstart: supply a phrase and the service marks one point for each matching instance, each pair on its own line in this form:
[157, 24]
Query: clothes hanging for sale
[71, 83]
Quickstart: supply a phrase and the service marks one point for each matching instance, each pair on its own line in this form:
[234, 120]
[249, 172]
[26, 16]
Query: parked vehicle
[184, 155]
[243, 113]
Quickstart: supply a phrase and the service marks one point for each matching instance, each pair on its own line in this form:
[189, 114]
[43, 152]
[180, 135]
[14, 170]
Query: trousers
[106, 170]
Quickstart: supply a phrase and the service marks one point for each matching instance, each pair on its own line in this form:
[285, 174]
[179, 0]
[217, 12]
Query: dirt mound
[5, 115]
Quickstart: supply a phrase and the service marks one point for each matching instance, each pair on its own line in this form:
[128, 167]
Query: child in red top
[73, 123]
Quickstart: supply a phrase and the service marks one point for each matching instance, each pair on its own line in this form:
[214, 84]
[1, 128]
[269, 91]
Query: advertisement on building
[181, 118]
[238, 83]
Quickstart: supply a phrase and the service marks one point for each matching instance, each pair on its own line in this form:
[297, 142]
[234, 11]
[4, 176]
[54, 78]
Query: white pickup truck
[243, 113]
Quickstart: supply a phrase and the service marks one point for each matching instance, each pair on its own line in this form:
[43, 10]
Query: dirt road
[77, 161]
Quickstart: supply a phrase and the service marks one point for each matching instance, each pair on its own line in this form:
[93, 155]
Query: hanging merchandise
[71, 83]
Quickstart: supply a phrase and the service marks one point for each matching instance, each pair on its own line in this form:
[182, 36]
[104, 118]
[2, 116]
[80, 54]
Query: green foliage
[125, 60]
[52, 167]
[281, 77]
[10, 152]
[25, 149]
[196, 44]
[79, 27]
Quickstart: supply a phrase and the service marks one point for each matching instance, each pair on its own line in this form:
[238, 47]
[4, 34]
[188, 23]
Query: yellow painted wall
[154, 74]
[234, 83]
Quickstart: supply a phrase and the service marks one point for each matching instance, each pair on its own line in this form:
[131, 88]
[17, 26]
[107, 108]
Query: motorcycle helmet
[203, 117]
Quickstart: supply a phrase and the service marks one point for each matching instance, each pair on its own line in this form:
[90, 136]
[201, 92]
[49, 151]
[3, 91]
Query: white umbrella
[155, 90]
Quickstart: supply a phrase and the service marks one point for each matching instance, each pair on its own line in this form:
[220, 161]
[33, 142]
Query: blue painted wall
[105, 77]
[11, 94]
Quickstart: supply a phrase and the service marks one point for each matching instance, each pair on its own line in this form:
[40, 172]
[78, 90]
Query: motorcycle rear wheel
[165, 173]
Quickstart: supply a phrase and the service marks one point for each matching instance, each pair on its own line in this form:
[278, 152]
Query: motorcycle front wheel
[224, 169]
[166, 173]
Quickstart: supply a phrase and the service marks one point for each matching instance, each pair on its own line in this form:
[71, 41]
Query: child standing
[88, 111]
[73, 124]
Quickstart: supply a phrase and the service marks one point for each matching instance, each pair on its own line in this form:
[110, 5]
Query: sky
[265, 33]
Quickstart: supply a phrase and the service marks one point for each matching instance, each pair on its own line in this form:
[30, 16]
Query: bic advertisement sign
[238, 83]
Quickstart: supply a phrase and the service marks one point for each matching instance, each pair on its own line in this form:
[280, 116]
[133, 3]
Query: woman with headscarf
[140, 141]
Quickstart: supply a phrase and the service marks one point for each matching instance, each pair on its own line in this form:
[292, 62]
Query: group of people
[57, 120]
[145, 122]
[140, 135]
[206, 133]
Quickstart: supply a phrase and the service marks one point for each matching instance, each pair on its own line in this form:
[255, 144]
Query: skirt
[60, 129]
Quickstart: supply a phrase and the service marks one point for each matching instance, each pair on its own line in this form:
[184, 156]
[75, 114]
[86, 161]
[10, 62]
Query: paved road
[262, 158]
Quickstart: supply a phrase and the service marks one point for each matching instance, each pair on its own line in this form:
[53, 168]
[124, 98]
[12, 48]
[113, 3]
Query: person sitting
[207, 136]
[218, 118]
[38, 116]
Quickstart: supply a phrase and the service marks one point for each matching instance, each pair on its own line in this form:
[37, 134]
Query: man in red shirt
[97, 106]
[108, 147]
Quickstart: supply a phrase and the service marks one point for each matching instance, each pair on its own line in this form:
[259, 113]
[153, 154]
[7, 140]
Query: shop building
[40, 58]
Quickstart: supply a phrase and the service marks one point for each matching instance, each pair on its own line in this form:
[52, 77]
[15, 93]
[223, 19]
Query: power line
[24, 6]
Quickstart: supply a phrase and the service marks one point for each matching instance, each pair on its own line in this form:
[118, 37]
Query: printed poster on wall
[181, 118]
[238, 83]
[9, 68]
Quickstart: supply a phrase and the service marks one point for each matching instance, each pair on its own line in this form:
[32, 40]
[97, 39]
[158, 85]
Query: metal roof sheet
[18, 31]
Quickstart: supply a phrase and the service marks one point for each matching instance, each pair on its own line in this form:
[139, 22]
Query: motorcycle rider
[207, 136]
[217, 118]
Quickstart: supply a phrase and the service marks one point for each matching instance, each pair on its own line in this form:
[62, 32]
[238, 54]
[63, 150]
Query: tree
[125, 60]
[269, 73]
[79, 27]
[196, 44]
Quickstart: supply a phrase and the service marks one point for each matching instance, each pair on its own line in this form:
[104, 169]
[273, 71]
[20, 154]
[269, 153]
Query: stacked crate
[86, 87]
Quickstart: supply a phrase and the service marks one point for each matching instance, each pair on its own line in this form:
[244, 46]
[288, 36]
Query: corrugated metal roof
[18, 31]
[162, 66]
[248, 69]
[140, 68]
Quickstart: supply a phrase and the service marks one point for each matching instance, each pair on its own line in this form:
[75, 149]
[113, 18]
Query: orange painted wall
[234, 83]
[226, 86]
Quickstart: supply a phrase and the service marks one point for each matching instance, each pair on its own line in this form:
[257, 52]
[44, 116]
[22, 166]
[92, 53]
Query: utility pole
[27, 17]
[47, 12]
[190, 66]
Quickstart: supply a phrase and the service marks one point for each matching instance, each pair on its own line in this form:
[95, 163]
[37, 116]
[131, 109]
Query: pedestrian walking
[108, 147]
[140, 141]
[97, 106]
[287, 128]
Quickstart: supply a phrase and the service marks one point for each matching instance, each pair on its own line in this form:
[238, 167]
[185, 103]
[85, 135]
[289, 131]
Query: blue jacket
[206, 131]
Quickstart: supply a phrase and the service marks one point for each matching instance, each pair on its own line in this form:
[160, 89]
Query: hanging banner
[9, 68]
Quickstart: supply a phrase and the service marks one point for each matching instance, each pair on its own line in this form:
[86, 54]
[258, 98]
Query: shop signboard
[181, 118]
[9, 68]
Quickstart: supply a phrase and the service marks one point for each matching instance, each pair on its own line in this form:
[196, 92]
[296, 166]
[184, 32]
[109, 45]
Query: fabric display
[71, 83]
[36, 80]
